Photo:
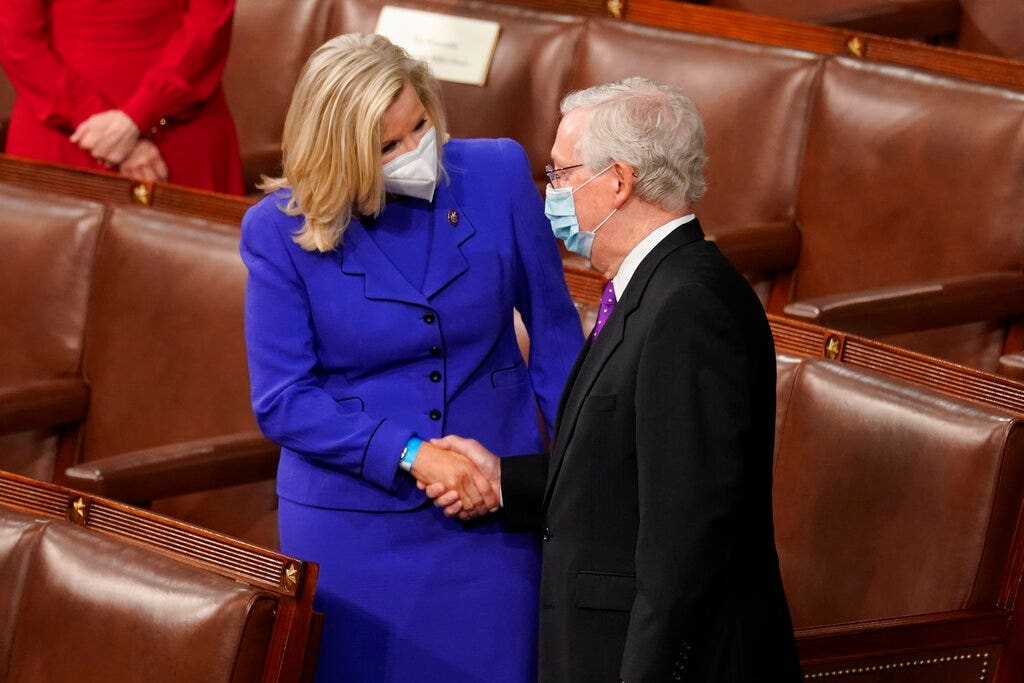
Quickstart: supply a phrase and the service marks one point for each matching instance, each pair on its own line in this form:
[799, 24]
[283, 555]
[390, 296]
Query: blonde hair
[331, 147]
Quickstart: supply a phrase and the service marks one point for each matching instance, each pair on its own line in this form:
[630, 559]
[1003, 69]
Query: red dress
[159, 61]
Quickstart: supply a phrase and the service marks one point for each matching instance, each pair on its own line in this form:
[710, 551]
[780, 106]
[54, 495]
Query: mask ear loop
[606, 219]
[584, 184]
[609, 216]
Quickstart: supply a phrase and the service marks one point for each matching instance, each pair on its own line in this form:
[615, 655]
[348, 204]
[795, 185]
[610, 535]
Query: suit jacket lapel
[452, 227]
[596, 353]
[360, 255]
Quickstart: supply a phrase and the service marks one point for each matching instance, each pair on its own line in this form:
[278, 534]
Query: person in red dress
[132, 87]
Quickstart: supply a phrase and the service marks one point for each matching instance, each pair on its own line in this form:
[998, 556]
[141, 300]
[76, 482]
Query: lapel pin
[453, 217]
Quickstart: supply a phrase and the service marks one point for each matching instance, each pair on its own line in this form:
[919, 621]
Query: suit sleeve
[541, 295]
[190, 67]
[523, 478]
[290, 406]
[692, 406]
[55, 93]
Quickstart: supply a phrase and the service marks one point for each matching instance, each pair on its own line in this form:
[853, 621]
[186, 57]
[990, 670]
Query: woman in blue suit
[384, 267]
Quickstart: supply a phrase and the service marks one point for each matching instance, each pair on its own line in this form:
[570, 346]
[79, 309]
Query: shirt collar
[640, 252]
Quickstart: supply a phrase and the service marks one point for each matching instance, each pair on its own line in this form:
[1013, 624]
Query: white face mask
[414, 174]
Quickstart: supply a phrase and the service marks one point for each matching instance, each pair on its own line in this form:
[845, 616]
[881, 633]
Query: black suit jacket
[655, 504]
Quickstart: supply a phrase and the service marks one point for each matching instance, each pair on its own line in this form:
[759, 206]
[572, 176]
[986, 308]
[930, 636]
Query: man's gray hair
[656, 129]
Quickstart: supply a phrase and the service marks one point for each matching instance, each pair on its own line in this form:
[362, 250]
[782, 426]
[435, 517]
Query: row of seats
[897, 502]
[855, 193]
[92, 591]
[989, 27]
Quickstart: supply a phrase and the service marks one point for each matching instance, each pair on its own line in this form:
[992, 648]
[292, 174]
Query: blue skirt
[415, 596]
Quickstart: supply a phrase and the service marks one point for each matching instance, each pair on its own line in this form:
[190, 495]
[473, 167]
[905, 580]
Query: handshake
[460, 475]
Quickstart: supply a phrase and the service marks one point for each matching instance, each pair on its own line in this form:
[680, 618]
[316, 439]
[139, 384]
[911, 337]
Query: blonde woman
[384, 267]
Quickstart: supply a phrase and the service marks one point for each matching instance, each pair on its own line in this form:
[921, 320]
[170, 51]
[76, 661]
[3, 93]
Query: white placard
[457, 49]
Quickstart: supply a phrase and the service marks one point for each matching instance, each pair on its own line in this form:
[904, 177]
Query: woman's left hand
[108, 136]
[145, 163]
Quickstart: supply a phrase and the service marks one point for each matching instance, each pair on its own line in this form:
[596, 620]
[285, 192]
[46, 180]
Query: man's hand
[108, 136]
[449, 471]
[486, 462]
[144, 163]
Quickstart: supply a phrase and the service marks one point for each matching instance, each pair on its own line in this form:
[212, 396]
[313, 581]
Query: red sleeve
[190, 68]
[55, 93]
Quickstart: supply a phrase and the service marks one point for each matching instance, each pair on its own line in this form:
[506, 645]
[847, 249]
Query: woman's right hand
[109, 136]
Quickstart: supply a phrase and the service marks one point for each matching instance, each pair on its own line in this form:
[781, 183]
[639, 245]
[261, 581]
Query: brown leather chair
[144, 386]
[94, 590]
[897, 521]
[166, 365]
[896, 242]
[886, 496]
[45, 268]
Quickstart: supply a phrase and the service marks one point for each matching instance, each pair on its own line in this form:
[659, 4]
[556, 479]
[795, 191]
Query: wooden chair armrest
[42, 403]
[920, 306]
[141, 476]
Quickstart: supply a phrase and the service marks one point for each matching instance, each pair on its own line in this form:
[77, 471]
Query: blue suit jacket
[347, 360]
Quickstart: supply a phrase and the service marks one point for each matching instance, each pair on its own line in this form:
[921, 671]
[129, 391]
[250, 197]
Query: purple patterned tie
[608, 301]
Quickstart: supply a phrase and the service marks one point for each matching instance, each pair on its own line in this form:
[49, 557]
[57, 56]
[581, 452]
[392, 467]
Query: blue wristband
[412, 447]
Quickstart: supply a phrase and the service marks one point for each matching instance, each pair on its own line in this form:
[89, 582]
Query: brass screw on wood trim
[291, 576]
[832, 347]
[77, 510]
[856, 46]
[141, 194]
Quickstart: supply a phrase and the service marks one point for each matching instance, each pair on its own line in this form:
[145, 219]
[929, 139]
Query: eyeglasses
[555, 174]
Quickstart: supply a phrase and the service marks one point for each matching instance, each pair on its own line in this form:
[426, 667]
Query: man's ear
[626, 177]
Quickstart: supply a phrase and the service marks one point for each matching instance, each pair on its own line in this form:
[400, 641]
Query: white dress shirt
[640, 252]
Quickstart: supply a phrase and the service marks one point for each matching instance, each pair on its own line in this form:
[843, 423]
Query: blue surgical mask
[560, 208]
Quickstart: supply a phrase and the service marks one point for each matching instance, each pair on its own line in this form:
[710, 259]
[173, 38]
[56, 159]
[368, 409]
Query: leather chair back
[45, 269]
[878, 134]
[891, 500]
[165, 354]
[92, 590]
[179, 624]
